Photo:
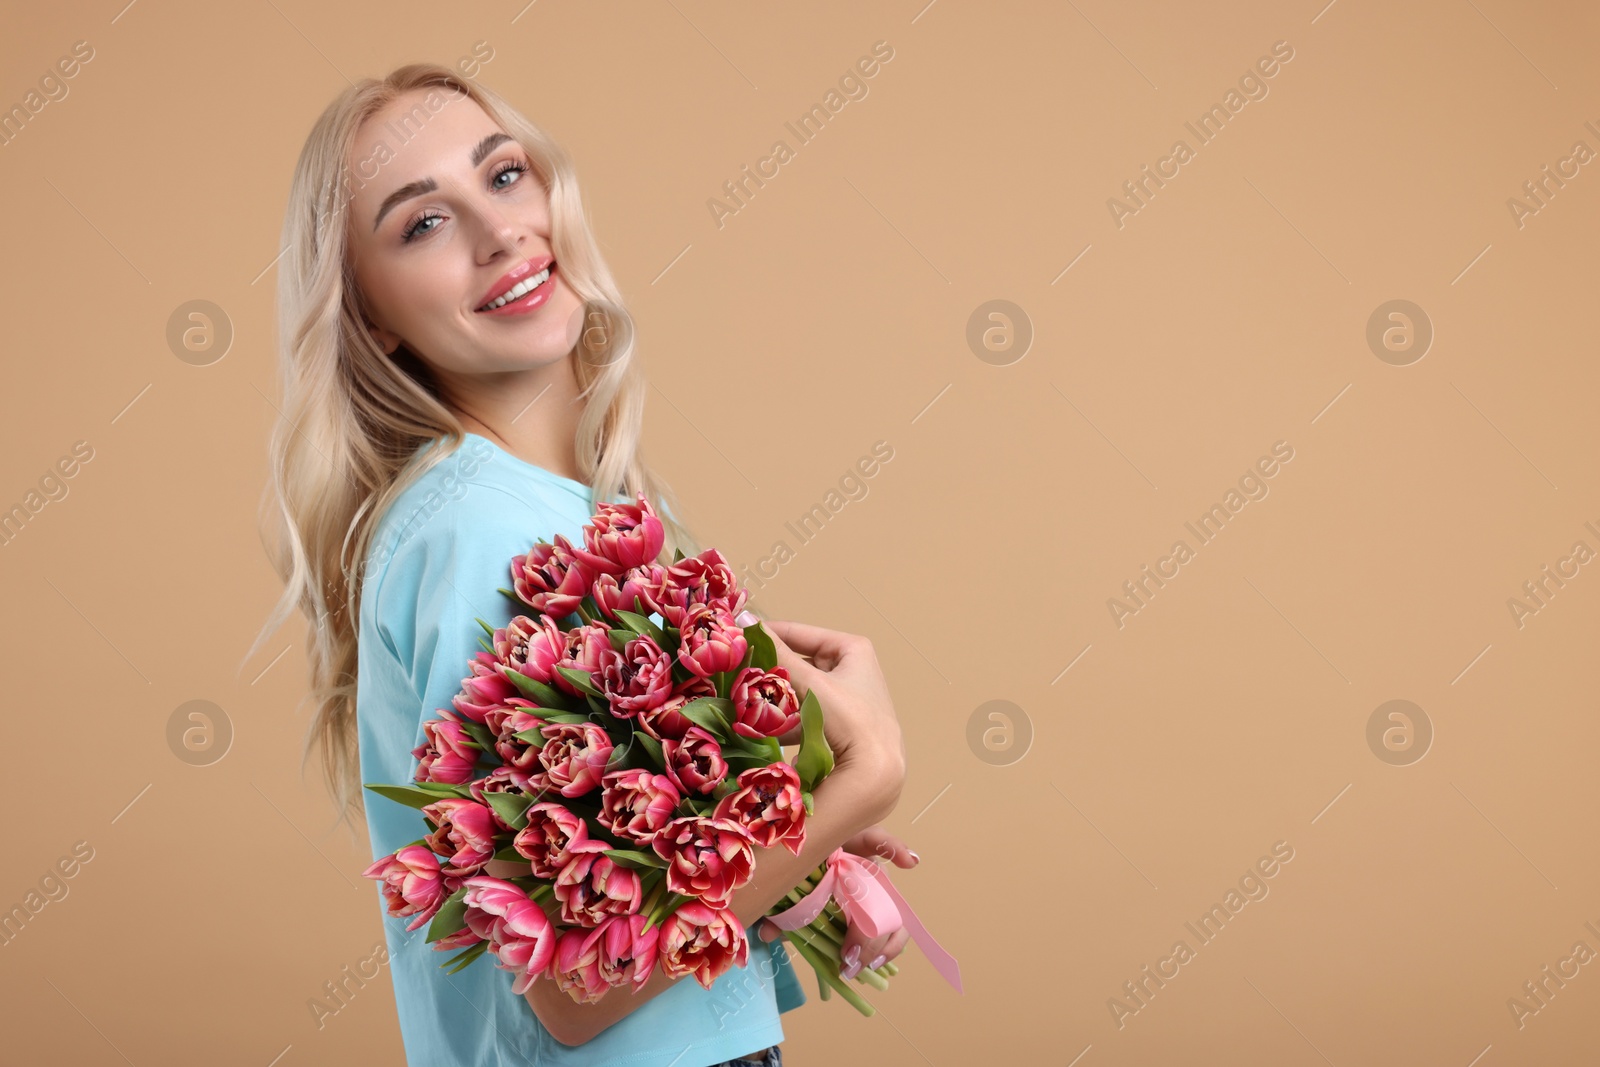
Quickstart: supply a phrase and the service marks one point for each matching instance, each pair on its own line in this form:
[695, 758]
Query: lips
[513, 277]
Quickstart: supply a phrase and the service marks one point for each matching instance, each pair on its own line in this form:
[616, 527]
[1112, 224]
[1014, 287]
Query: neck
[532, 414]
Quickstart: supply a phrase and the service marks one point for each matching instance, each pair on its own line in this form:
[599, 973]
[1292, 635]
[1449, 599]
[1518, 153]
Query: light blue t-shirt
[438, 556]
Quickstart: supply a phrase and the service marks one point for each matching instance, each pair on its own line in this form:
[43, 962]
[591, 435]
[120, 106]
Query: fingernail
[914, 857]
[852, 962]
[876, 962]
[745, 618]
[850, 970]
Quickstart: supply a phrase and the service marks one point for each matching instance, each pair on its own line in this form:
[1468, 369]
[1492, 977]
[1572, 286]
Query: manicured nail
[745, 618]
[876, 962]
[852, 962]
[914, 857]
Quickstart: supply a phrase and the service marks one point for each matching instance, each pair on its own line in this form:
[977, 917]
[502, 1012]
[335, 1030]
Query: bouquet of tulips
[628, 768]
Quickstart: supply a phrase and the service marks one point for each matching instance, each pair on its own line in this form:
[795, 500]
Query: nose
[498, 234]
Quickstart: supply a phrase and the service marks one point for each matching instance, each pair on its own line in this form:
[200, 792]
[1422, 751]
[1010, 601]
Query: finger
[857, 950]
[827, 648]
[892, 948]
[767, 930]
[879, 843]
[802, 674]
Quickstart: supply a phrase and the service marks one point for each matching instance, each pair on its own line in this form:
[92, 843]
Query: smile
[523, 295]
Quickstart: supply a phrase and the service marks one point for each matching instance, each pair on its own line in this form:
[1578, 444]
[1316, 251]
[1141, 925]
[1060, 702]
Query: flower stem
[827, 973]
[830, 951]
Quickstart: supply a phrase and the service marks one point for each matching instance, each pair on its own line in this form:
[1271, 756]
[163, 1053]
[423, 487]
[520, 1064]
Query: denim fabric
[767, 1057]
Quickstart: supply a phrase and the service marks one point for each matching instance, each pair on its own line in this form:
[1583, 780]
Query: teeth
[518, 291]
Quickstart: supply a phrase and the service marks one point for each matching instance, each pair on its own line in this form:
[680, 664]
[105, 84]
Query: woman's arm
[849, 799]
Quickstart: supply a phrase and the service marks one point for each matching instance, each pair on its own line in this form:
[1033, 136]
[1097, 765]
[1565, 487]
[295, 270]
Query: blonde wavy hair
[352, 416]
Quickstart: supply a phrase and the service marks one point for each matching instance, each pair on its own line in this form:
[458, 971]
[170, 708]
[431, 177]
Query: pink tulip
[531, 647]
[446, 754]
[694, 762]
[637, 679]
[506, 722]
[592, 886]
[549, 838]
[507, 780]
[621, 537]
[702, 940]
[411, 883]
[636, 803]
[627, 950]
[576, 967]
[462, 938]
[586, 649]
[666, 721]
[574, 756]
[486, 688]
[769, 805]
[708, 858]
[550, 579]
[711, 641]
[764, 702]
[633, 590]
[465, 833]
[703, 579]
[519, 933]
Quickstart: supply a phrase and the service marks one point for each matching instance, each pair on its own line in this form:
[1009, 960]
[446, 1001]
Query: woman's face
[442, 224]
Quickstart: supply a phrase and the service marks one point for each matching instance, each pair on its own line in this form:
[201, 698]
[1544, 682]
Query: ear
[386, 340]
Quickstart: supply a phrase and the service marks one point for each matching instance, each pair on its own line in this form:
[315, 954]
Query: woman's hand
[859, 720]
[858, 949]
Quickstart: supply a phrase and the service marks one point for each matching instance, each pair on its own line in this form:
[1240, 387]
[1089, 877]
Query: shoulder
[468, 496]
[447, 541]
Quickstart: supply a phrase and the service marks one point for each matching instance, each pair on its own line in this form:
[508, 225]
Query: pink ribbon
[871, 903]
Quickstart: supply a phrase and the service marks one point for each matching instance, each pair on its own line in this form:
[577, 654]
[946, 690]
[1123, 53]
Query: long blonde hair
[352, 416]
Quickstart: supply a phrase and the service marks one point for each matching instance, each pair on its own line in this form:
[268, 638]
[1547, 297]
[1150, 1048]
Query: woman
[459, 382]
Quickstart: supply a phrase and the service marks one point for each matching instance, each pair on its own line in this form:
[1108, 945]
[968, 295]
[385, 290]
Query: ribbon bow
[869, 901]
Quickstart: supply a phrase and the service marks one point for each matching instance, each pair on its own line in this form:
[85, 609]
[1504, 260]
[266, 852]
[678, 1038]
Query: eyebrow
[428, 185]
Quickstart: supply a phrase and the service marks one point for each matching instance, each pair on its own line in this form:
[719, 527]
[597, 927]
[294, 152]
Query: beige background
[830, 313]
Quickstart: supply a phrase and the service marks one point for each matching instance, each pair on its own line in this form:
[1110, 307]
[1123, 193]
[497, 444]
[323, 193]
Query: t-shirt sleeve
[441, 579]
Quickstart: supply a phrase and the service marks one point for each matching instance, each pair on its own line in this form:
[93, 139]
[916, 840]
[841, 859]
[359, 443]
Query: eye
[507, 167]
[413, 226]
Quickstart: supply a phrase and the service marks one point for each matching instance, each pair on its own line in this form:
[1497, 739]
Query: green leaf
[652, 748]
[479, 733]
[763, 652]
[544, 695]
[450, 917]
[460, 960]
[515, 599]
[619, 638]
[411, 796]
[445, 789]
[677, 554]
[707, 713]
[511, 807]
[486, 627]
[815, 760]
[631, 858]
[581, 680]
[506, 852]
[486, 646]
[641, 624]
